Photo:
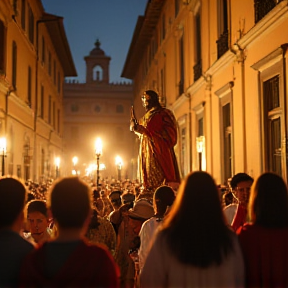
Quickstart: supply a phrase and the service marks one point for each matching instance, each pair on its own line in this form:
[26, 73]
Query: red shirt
[265, 252]
[86, 266]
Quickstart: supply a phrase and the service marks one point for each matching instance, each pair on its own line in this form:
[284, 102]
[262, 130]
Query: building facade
[98, 109]
[34, 59]
[221, 67]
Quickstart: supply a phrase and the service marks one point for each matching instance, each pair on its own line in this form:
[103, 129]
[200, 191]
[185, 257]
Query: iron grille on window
[197, 70]
[262, 7]
[181, 88]
[222, 44]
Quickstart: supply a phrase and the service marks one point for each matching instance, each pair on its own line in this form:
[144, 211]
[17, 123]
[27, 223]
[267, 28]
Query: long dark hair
[195, 228]
[268, 203]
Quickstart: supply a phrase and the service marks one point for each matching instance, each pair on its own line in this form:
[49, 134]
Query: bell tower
[97, 65]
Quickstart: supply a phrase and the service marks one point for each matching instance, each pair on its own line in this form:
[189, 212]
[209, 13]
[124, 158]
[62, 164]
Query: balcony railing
[263, 7]
[222, 44]
[197, 70]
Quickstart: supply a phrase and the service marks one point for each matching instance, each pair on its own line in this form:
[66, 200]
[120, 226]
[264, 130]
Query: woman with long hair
[264, 240]
[195, 248]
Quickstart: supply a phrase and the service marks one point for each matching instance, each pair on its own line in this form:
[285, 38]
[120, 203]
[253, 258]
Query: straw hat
[142, 209]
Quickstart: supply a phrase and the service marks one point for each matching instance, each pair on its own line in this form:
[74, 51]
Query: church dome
[97, 51]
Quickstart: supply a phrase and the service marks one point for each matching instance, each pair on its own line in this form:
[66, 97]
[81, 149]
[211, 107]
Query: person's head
[142, 210]
[241, 184]
[197, 198]
[163, 198]
[38, 219]
[268, 203]
[12, 200]
[128, 198]
[195, 227]
[96, 194]
[115, 199]
[150, 99]
[70, 201]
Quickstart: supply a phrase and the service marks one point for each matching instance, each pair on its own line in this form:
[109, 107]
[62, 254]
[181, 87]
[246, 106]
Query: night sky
[111, 21]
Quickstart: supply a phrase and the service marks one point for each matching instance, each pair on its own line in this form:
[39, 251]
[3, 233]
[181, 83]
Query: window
[227, 140]
[58, 120]
[29, 92]
[59, 83]
[2, 46]
[222, 42]
[262, 7]
[14, 64]
[181, 65]
[163, 27]
[31, 25]
[23, 14]
[273, 111]
[54, 72]
[226, 131]
[177, 7]
[197, 42]
[42, 162]
[42, 102]
[162, 85]
[54, 115]
[49, 109]
[119, 109]
[97, 73]
[43, 51]
[200, 138]
[273, 114]
[49, 63]
[184, 153]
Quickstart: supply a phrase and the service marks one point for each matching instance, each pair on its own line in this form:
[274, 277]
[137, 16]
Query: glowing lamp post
[3, 151]
[119, 164]
[98, 153]
[57, 166]
[74, 161]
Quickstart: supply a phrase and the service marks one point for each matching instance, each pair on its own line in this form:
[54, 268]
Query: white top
[147, 233]
[229, 212]
[162, 269]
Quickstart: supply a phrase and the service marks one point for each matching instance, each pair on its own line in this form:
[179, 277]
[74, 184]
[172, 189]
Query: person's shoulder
[246, 229]
[231, 207]
[19, 241]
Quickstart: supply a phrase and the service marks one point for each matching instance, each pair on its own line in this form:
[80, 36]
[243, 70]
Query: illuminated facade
[98, 108]
[34, 59]
[221, 66]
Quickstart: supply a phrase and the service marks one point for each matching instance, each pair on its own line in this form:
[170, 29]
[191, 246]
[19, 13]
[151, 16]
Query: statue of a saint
[157, 131]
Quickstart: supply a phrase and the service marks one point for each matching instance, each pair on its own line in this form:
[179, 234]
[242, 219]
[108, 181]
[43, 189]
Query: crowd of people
[70, 233]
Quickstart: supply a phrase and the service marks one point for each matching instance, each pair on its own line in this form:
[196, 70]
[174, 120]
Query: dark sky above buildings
[111, 21]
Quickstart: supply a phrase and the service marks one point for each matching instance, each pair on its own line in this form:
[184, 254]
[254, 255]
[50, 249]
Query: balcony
[222, 44]
[197, 70]
[263, 7]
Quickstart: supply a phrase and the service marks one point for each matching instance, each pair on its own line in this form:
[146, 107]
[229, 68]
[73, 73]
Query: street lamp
[75, 161]
[57, 165]
[119, 163]
[3, 150]
[98, 153]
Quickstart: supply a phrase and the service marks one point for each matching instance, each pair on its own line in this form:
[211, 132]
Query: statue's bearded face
[146, 101]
